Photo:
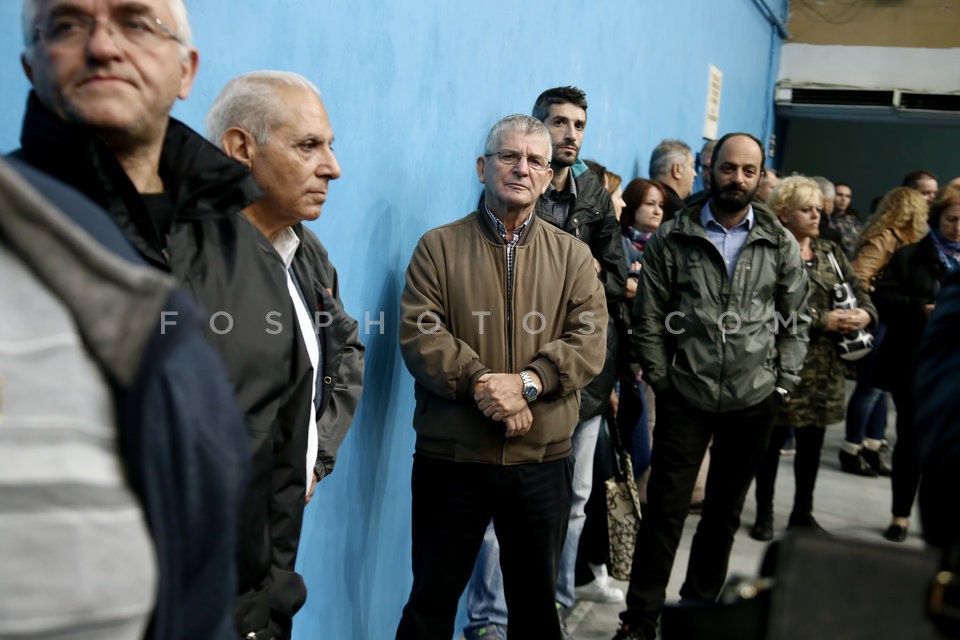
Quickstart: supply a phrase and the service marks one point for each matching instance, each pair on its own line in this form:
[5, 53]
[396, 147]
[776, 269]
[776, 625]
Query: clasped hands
[500, 397]
[847, 320]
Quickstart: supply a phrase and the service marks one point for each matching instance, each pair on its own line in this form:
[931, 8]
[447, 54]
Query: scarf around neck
[637, 238]
[948, 252]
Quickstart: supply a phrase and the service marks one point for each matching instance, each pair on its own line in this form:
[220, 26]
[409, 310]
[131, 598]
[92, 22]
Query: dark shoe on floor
[806, 523]
[489, 632]
[763, 528]
[895, 533]
[879, 461]
[856, 464]
[564, 633]
[627, 632]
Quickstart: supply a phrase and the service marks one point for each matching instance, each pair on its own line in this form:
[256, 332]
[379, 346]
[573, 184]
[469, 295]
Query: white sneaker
[599, 571]
[599, 591]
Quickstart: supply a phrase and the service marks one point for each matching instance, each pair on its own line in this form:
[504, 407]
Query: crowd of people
[700, 330]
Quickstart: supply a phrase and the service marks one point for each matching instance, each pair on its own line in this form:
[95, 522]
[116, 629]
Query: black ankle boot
[763, 528]
[804, 521]
[856, 464]
[879, 461]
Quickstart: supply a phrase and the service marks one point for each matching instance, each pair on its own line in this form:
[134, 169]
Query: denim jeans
[485, 600]
[867, 407]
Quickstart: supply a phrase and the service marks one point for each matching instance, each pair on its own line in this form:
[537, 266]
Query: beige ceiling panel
[879, 23]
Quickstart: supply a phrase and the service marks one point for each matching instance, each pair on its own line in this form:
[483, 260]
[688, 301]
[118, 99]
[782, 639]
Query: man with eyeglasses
[502, 322]
[105, 75]
[576, 202]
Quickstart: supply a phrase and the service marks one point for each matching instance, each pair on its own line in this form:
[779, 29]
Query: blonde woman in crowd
[797, 202]
[900, 220]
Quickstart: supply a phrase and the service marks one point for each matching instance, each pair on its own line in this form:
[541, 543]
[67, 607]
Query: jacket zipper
[509, 303]
[509, 255]
[726, 294]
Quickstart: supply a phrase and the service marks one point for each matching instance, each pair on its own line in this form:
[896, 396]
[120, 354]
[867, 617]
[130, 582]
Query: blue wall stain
[412, 88]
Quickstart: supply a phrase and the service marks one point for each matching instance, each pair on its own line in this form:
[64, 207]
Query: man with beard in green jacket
[721, 333]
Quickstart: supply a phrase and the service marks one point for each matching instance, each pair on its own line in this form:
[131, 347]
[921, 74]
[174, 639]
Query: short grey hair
[524, 124]
[252, 103]
[31, 9]
[829, 191]
[665, 155]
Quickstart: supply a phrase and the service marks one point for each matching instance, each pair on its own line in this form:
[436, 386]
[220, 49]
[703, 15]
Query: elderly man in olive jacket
[721, 335]
[503, 322]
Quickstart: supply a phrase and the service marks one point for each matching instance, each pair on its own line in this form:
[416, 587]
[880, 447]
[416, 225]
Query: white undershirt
[286, 244]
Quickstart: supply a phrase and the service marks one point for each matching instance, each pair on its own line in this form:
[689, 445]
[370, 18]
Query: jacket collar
[765, 225]
[490, 232]
[202, 181]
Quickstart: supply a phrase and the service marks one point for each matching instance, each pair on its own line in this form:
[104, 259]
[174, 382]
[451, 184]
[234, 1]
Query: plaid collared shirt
[512, 242]
[558, 202]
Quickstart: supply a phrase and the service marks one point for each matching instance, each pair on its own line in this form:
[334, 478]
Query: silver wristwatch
[530, 391]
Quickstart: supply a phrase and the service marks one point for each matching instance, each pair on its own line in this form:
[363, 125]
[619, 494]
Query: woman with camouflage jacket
[819, 399]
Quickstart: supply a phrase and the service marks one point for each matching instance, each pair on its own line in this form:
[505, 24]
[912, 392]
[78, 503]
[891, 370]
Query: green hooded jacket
[724, 344]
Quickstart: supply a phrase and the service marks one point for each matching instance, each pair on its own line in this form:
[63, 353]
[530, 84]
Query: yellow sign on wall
[711, 122]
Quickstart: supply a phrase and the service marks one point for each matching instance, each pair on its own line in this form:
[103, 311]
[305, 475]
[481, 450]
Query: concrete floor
[844, 504]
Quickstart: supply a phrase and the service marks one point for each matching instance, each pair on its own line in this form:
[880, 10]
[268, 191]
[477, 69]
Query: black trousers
[906, 459]
[806, 464]
[453, 502]
[683, 433]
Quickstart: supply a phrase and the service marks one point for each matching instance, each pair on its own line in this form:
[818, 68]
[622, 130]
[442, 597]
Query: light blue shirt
[729, 242]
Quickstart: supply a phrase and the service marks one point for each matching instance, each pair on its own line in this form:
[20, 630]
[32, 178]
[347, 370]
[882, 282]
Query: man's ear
[676, 170]
[188, 72]
[27, 69]
[548, 174]
[481, 164]
[239, 145]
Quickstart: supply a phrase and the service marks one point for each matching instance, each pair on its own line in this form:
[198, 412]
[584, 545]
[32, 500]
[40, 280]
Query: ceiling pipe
[772, 18]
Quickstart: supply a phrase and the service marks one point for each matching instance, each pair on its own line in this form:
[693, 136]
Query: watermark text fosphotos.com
[730, 323]
[532, 323]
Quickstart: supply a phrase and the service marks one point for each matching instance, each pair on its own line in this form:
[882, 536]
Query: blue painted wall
[412, 86]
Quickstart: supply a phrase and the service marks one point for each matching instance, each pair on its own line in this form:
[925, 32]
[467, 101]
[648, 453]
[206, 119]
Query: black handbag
[817, 586]
[850, 346]
[623, 511]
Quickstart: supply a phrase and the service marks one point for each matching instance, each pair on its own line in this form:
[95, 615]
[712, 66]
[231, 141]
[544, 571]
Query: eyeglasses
[135, 28]
[511, 158]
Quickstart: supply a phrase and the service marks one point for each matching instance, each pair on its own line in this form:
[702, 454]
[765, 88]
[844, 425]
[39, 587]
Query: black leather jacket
[909, 282]
[592, 219]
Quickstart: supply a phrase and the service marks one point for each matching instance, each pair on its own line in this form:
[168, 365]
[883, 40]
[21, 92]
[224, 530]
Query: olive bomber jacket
[461, 318]
[716, 341]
